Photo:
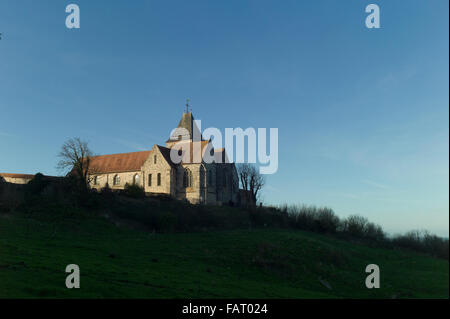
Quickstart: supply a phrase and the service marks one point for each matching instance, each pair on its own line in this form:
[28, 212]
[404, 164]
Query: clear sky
[363, 115]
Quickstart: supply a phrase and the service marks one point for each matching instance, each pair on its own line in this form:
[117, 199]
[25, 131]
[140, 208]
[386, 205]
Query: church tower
[186, 130]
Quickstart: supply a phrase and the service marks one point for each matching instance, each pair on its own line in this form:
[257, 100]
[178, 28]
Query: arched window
[187, 178]
[149, 179]
[159, 179]
[136, 179]
[116, 180]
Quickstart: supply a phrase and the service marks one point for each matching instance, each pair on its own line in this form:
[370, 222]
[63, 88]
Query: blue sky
[362, 114]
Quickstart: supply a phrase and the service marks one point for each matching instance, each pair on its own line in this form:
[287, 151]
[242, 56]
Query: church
[194, 179]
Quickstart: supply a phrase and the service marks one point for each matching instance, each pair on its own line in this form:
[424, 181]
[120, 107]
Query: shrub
[326, 221]
[411, 240]
[314, 219]
[355, 226]
[424, 242]
[302, 217]
[374, 232]
[11, 197]
[106, 192]
[2, 184]
[35, 186]
[435, 245]
[134, 191]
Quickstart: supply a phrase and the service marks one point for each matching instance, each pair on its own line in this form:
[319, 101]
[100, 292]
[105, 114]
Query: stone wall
[108, 178]
[211, 192]
[154, 165]
[193, 193]
[17, 180]
[227, 183]
[212, 184]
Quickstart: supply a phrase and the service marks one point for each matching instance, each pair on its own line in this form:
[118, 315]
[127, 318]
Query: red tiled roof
[16, 175]
[28, 176]
[127, 162]
[124, 162]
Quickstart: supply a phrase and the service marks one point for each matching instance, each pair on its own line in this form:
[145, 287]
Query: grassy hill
[122, 262]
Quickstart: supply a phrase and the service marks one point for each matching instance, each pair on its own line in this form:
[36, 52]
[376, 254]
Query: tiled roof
[27, 176]
[16, 175]
[124, 162]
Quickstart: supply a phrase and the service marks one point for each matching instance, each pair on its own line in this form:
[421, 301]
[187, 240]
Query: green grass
[118, 262]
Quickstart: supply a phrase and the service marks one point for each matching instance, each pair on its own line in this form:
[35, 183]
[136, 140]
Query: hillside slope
[118, 262]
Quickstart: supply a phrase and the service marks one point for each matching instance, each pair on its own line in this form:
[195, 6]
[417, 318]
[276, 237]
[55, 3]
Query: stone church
[193, 178]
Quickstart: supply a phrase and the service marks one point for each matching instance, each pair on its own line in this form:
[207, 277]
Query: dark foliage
[35, 187]
[134, 191]
[424, 242]
[63, 200]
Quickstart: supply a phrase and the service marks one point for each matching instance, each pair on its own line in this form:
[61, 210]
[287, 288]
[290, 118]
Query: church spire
[186, 129]
[187, 105]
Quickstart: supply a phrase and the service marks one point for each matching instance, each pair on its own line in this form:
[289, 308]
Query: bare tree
[251, 179]
[75, 156]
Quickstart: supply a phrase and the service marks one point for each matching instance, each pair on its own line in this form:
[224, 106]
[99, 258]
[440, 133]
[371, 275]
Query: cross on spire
[187, 105]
